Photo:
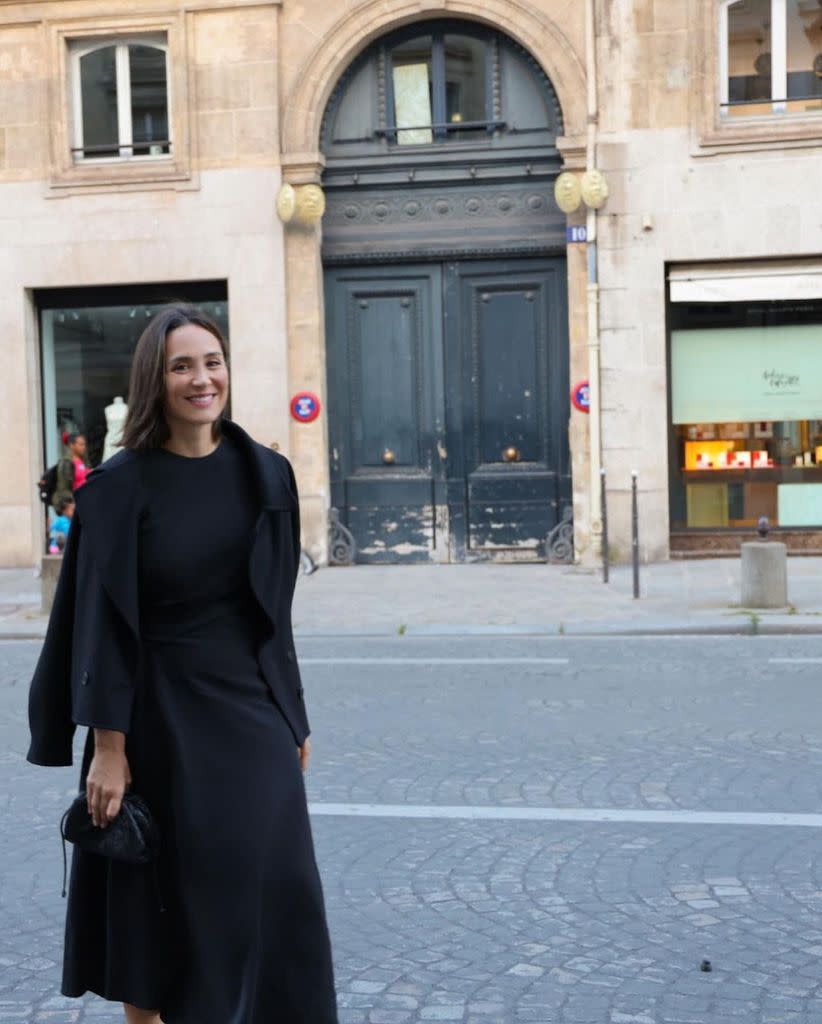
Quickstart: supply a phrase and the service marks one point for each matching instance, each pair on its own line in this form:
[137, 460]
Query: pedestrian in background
[173, 610]
[59, 530]
[72, 470]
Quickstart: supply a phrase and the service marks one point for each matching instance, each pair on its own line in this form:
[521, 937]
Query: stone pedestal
[49, 572]
[764, 574]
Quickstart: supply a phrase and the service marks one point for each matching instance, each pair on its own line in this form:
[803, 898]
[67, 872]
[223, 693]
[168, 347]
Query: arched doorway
[446, 298]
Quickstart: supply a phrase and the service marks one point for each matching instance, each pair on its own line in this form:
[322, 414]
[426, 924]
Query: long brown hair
[146, 425]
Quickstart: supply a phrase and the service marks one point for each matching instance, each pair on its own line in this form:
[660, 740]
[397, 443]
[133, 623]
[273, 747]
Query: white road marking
[795, 661]
[578, 814]
[434, 661]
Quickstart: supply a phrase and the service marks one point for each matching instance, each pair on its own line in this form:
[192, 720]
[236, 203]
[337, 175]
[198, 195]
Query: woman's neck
[194, 443]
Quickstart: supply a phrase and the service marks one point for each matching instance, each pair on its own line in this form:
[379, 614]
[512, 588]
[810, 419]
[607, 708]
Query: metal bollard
[604, 503]
[635, 531]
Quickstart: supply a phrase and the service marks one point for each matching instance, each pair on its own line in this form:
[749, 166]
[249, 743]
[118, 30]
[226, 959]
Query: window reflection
[440, 88]
[749, 57]
[149, 100]
[804, 55]
[98, 79]
[413, 92]
[465, 87]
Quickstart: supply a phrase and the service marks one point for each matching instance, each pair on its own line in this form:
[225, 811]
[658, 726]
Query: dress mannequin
[115, 419]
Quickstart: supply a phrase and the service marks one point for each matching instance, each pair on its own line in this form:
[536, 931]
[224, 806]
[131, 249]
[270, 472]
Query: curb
[782, 625]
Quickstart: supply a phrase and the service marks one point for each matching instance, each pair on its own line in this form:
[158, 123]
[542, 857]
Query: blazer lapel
[269, 564]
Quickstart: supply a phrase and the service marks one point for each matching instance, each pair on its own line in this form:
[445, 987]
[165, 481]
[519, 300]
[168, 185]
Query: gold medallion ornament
[594, 189]
[286, 203]
[304, 204]
[310, 204]
[568, 192]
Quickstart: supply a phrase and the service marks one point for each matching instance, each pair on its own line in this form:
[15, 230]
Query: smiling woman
[174, 609]
[196, 384]
[179, 380]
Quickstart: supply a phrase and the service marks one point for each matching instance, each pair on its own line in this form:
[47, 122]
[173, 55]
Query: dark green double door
[448, 407]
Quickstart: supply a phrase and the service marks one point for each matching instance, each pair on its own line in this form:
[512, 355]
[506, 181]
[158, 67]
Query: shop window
[120, 98]
[770, 57]
[746, 415]
[88, 338]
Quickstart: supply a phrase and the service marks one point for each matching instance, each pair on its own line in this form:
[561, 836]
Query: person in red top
[71, 469]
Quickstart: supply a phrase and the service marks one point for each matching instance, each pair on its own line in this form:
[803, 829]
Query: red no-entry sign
[581, 396]
[305, 406]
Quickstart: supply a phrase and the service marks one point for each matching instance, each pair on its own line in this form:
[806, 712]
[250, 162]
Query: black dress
[243, 938]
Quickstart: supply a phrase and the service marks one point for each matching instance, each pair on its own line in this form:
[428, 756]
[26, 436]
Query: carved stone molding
[418, 206]
[471, 219]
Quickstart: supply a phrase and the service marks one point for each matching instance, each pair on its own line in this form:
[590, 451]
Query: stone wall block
[643, 16]
[639, 104]
[653, 524]
[263, 81]
[625, 237]
[22, 101]
[616, 308]
[654, 340]
[25, 150]
[16, 536]
[216, 136]
[660, 51]
[21, 53]
[670, 16]
[255, 132]
[236, 36]
[621, 350]
[669, 108]
[783, 227]
[223, 87]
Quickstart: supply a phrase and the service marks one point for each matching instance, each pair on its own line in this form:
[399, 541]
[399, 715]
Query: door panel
[509, 437]
[385, 389]
[506, 409]
[384, 373]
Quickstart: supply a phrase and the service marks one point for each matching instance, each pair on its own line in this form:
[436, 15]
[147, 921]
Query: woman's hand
[108, 777]
[305, 754]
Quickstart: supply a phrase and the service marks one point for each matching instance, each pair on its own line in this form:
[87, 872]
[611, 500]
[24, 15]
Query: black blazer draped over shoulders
[88, 670]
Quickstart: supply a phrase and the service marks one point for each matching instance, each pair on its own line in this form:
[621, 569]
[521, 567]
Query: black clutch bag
[132, 837]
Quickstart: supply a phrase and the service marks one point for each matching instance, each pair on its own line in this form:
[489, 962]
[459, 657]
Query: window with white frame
[770, 57]
[120, 98]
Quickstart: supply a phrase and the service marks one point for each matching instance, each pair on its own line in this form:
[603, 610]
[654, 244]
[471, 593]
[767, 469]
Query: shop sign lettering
[781, 383]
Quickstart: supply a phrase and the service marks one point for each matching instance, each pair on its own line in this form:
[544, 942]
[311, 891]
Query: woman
[72, 472]
[170, 638]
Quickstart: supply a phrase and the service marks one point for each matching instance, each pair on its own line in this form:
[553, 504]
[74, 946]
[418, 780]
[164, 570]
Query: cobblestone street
[519, 830]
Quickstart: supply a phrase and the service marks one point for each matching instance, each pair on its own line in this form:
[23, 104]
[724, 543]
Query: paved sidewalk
[699, 597]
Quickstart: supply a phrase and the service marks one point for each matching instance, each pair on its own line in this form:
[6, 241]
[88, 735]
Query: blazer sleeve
[50, 718]
[289, 480]
[295, 520]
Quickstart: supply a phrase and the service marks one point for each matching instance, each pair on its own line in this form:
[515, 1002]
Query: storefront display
[746, 411]
[87, 337]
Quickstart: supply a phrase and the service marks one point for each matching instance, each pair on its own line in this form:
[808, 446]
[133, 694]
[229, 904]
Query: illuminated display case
[746, 416]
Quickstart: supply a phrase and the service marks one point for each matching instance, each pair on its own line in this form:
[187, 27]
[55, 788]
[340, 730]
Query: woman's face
[196, 378]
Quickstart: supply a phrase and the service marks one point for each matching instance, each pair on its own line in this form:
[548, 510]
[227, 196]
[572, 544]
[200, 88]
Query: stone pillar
[308, 442]
[764, 575]
[49, 573]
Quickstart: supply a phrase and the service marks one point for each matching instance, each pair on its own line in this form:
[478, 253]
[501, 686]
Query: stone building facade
[441, 311]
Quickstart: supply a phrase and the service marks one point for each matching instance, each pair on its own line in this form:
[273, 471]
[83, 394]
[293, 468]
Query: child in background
[58, 534]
